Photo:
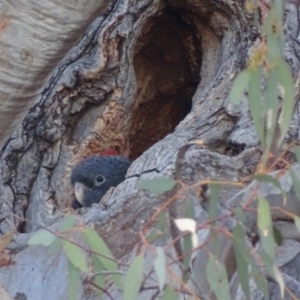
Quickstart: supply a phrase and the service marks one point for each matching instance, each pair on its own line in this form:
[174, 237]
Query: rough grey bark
[35, 36]
[145, 79]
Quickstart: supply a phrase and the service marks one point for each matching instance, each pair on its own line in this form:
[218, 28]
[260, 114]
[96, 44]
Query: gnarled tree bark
[141, 77]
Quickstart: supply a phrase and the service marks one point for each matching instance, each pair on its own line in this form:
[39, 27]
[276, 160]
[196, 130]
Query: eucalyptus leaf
[99, 279]
[240, 215]
[240, 249]
[272, 108]
[97, 244]
[279, 278]
[217, 278]
[169, 294]
[55, 246]
[239, 86]
[297, 223]
[256, 108]
[213, 210]
[74, 280]
[297, 152]
[265, 226]
[214, 200]
[277, 236]
[156, 186]
[134, 278]
[187, 252]
[189, 209]
[273, 180]
[75, 255]
[160, 267]
[295, 181]
[285, 79]
[68, 223]
[42, 237]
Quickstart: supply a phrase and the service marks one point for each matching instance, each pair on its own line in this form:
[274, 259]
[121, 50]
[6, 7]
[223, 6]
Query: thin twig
[101, 289]
[107, 273]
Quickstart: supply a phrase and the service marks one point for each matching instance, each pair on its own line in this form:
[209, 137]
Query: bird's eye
[99, 180]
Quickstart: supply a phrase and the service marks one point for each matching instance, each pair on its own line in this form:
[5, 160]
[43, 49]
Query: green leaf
[134, 278]
[255, 104]
[217, 278]
[97, 244]
[268, 262]
[264, 217]
[68, 223]
[285, 78]
[42, 237]
[100, 282]
[213, 213]
[279, 14]
[267, 25]
[295, 181]
[97, 265]
[265, 226]
[243, 257]
[156, 186]
[261, 282]
[273, 271]
[117, 278]
[160, 230]
[74, 281]
[279, 9]
[240, 249]
[272, 101]
[154, 234]
[278, 277]
[160, 267]
[259, 279]
[272, 108]
[272, 28]
[273, 180]
[239, 85]
[270, 267]
[169, 293]
[187, 252]
[189, 209]
[162, 222]
[273, 44]
[240, 215]
[214, 200]
[277, 236]
[99, 279]
[297, 222]
[75, 255]
[55, 246]
[297, 152]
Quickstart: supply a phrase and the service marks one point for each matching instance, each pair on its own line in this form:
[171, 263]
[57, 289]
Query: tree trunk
[141, 77]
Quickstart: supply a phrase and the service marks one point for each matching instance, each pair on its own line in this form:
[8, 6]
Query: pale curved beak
[79, 189]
